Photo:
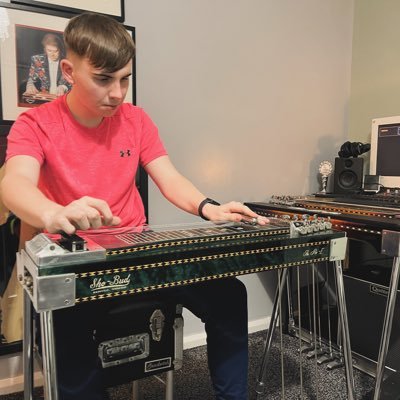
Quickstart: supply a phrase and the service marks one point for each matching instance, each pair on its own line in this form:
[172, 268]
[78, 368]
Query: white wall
[249, 96]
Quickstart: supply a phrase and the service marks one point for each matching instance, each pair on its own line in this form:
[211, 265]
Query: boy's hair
[101, 39]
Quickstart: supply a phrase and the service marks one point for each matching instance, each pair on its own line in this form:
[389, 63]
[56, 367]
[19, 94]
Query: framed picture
[32, 40]
[114, 8]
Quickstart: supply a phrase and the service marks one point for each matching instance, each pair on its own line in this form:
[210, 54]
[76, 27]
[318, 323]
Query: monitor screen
[385, 151]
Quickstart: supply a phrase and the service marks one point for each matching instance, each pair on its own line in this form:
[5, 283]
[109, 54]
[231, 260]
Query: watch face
[325, 168]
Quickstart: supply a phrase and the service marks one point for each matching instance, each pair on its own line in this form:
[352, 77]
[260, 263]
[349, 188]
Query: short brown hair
[101, 39]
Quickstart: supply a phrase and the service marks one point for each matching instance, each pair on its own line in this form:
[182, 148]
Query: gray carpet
[192, 382]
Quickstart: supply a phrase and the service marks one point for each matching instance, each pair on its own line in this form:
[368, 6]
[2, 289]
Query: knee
[233, 298]
[239, 286]
[236, 290]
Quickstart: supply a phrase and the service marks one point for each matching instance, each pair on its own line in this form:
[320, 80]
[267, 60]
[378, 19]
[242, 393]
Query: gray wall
[375, 68]
[249, 97]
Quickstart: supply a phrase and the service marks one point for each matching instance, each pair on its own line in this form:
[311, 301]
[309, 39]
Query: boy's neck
[78, 112]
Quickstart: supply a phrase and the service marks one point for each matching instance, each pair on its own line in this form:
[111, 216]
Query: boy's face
[98, 92]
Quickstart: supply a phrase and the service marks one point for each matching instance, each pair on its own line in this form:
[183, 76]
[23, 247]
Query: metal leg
[321, 346]
[329, 351]
[169, 385]
[136, 395]
[308, 347]
[300, 329]
[337, 362]
[315, 329]
[27, 348]
[345, 330]
[49, 356]
[281, 338]
[290, 303]
[387, 327]
[315, 349]
[272, 325]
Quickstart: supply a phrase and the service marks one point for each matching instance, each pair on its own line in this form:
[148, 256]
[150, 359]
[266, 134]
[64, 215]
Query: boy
[64, 171]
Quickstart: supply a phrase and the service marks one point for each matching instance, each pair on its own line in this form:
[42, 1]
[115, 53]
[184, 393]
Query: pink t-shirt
[99, 162]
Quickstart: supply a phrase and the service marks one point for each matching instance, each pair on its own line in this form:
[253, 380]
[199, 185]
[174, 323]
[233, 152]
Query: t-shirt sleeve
[23, 140]
[151, 146]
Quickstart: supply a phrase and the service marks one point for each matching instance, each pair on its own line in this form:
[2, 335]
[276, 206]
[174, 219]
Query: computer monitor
[385, 151]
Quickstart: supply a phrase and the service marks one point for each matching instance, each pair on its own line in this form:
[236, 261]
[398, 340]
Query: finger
[102, 207]
[67, 228]
[80, 222]
[235, 206]
[257, 220]
[240, 208]
[115, 221]
[262, 220]
[96, 223]
[248, 211]
[62, 224]
[233, 217]
[94, 218]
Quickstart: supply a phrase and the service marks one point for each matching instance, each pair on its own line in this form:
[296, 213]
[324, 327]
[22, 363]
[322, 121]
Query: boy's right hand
[84, 213]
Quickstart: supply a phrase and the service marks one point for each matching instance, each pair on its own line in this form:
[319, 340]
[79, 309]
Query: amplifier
[366, 303]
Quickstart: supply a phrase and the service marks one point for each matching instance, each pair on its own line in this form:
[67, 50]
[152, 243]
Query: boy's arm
[182, 193]
[21, 195]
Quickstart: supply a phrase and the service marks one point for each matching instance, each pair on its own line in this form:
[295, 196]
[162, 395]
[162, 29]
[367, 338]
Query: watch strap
[203, 203]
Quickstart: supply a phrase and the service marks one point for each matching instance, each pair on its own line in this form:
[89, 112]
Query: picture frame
[20, 42]
[114, 8]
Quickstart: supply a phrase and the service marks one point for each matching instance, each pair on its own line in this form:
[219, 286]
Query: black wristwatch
[203, 203]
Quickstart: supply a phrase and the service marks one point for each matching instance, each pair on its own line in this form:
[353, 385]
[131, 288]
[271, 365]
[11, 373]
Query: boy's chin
[109, 111]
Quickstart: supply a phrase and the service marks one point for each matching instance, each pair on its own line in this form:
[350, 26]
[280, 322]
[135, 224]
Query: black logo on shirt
[125, 153]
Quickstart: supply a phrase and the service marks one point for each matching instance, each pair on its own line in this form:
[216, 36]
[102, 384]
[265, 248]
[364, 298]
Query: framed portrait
[114, 8]
[31, 46]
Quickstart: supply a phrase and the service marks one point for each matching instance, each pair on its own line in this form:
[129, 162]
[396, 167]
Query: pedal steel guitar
[58, 272]
[372, 218]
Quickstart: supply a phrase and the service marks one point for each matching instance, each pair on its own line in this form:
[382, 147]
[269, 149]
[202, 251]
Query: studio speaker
[348, 175]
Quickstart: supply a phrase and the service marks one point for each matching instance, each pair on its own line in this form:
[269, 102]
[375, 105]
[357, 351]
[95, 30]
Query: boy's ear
[67, 69]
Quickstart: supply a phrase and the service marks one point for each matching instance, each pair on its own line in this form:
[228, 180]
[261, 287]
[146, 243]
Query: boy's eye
[102, 78]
